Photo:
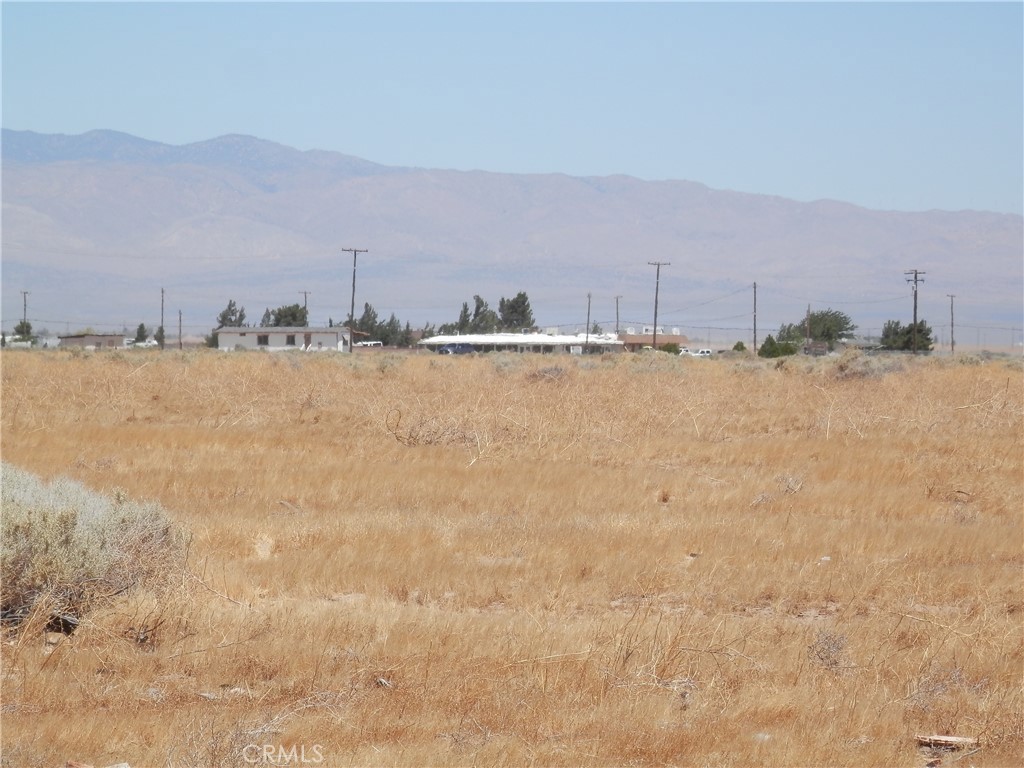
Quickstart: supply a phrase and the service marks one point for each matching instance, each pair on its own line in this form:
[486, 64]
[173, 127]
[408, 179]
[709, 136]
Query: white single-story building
[530, 342]
[283, 338]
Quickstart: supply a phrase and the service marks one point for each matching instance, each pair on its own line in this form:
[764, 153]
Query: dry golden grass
[526, 560]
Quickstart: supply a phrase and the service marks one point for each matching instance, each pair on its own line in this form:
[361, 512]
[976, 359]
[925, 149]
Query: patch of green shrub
[772, 348]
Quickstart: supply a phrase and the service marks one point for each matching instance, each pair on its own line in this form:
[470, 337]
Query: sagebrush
[72, 548]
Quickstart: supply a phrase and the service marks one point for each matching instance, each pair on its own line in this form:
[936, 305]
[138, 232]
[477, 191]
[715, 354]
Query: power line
[823, 301]
[712, 301]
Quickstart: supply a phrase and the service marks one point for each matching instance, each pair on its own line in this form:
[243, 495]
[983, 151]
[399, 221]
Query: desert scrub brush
[71, 549]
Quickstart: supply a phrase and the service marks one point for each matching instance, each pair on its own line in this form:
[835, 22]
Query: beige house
[634, 341]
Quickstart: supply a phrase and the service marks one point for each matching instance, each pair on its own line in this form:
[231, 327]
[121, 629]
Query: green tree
[485, 319]
[773, 348]
[405, 338]
[462, 325]
[23, 330]
[390, 333]
[899, 337]
[141, 333]
[828, 325]
[232, 316]
[515, 314]
[597, 330]
[459, 326]
[739, 346]
[368, 325]
[290, 316]
[159, 336]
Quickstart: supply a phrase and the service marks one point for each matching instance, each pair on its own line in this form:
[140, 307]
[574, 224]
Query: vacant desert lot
[410, 560]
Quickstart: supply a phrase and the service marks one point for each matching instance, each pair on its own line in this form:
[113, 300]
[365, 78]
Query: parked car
[456, 349]
[702, 353]
[685, 351]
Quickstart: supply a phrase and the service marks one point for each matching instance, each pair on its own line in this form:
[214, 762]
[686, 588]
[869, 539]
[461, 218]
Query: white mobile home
[283, 338]
[528, 342]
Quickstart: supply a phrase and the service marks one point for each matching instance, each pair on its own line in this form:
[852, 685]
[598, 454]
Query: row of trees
[513, 314]
[292, 315]
[831, 326]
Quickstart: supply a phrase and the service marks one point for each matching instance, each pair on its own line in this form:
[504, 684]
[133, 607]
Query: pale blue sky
[890, 106]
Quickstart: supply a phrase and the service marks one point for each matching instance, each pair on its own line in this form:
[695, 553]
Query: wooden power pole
[657, 283]
[915, 280]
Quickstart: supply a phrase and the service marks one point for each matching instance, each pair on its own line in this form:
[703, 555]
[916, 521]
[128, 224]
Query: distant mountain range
[95, 225]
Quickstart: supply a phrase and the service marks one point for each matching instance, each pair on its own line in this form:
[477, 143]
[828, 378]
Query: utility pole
[305, 308]
[617, 315]
[586, 343]
[24, 308]
[352, 312]
[952, 342]
[915, 280]
[179, 329]
[657, 283]
[755, 319]
[161, 319]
